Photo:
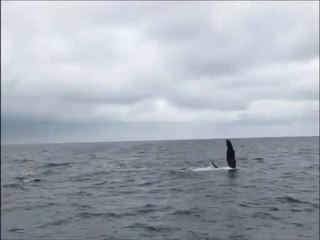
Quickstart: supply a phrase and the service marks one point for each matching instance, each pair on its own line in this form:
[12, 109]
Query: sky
[121, 71]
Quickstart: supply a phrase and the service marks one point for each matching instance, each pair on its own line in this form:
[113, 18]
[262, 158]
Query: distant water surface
[161, 190]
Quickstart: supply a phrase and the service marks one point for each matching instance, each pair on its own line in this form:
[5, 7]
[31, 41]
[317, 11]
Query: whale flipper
[230, 155]
[214, 164]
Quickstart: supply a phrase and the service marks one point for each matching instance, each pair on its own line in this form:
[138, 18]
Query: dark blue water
[161, 190]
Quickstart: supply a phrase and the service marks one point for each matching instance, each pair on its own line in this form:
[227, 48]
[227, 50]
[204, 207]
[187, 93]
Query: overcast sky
[112, 71]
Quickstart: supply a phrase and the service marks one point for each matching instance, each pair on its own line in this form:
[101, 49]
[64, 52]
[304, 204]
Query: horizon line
[155, 140]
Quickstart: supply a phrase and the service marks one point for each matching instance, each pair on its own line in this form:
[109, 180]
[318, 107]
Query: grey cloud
[264, 36]
[156, 64]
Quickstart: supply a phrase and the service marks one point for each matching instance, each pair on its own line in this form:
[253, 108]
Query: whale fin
[214, 164]
[231, 160]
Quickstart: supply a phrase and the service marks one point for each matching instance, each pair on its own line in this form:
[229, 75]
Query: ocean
[161, 190]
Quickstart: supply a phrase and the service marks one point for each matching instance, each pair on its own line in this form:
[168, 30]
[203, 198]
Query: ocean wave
[289, 199]
[19, 178]
[264, 215]
[58, 222]
[28, 207]
[152, 228]
[47, 172]
[182, 212]
[56, 164]
[148, 208]
[14, 186]
[16, 230]
[87, 215]
[191, 211]
[99, 183]
[78, 179]
[23, 160]
[148, 183]
[211, 168]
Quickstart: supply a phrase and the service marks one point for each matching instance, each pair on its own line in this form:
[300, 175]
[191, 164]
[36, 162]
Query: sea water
[161, 190]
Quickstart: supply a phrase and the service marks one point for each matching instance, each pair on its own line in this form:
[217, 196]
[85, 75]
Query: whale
[230, 156]
[231, 160]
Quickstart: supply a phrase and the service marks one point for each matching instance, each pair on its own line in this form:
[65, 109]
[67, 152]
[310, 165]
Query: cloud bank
[101, 71]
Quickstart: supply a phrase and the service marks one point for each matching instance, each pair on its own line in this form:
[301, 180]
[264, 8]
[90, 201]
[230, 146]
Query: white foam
[211, 168]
